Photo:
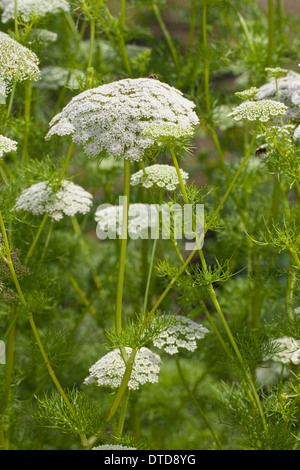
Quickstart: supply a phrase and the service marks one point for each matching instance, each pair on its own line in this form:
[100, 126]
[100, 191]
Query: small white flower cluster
[111, 119]
[168, 133]
[7, 145]
[110, 369]
[183, 334]
[160, 176]
[113, 447]
[31, 8]
[140, 218]
[262, 111]
[289, 93]
[247, 94]
[66, 198]
[17, 62]
[288, 350]
[297, 310]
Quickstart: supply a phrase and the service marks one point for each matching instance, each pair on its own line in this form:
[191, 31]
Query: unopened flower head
[288, 350]
[159, 176]
[262, 111]
[113, 447]
[110, 369]
[169, 134]
[7, 145]
[247, 94]
[17, 62]
[112, 119]
[28, 9]
[66, 198]
[183, 334]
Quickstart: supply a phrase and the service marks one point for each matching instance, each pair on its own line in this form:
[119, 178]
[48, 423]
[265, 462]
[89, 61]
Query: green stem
[290, 290]
[28, 97]
[275, 198]
[50, 229]
[213, 297]
[80, 293]
[167, 35]
[36, 238]
[3, 174]
[92, 42]
[79, 234]
[10, 347]
[16, 19]
[130, 362]
[237, 174]
[123, 410]
[10, 103]
[196, 403]
[280, 14]
[120, 35]
[67, 160]
[33, 327]
[120, 283]
[206, 60]
[149, 276]
[271, 31]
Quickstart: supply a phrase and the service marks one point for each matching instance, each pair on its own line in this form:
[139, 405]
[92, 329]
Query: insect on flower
[261, 150]
[153, 75]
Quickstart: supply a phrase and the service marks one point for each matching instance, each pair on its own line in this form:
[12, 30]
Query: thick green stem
[124, 236]
[123, 410]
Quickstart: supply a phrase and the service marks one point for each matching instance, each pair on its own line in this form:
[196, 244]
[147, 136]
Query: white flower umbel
[159, 176]
[289, 93]
[17, 62]
[112, 119]
[7, 145]
[113, 447]
[288, 350]
[55, 200]
[262, 111]
[109, 370]
[28, 9]
[183, 334]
